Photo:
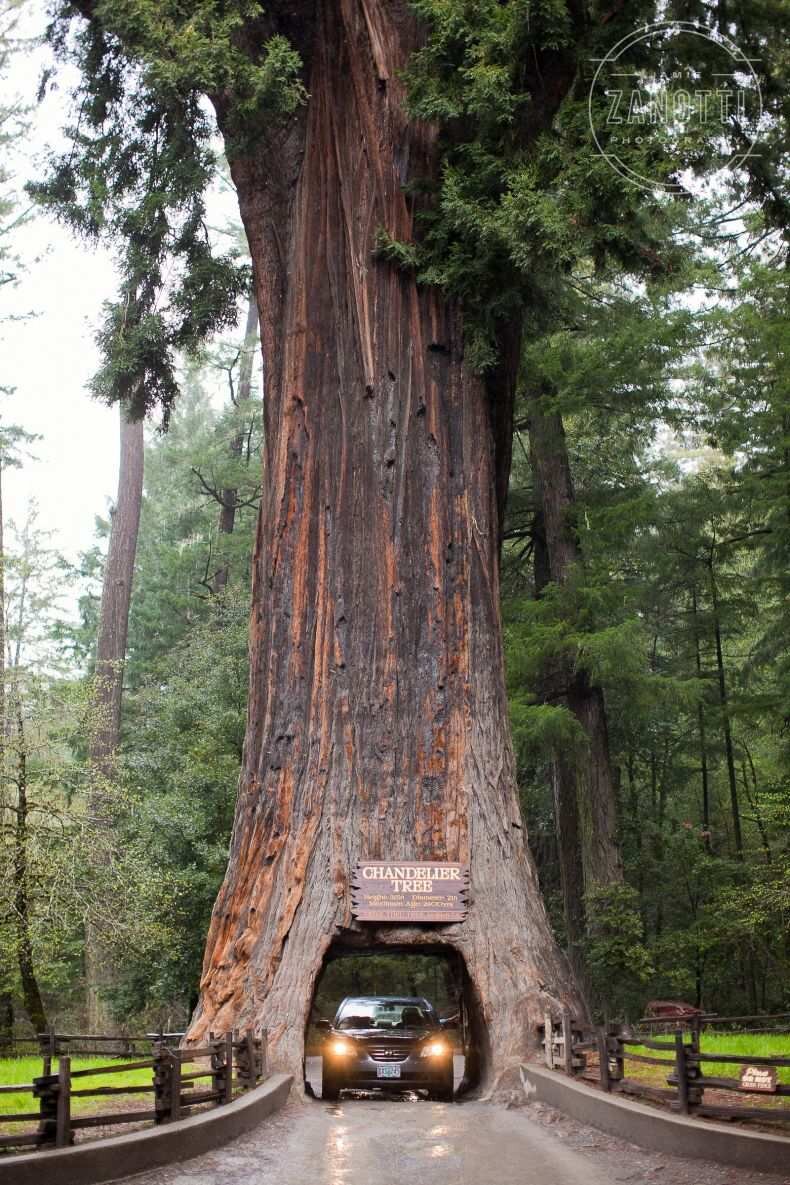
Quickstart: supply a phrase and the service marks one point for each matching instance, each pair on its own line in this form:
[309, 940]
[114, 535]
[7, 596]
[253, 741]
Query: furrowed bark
[584, 787]
[378, 721]
[110, 655]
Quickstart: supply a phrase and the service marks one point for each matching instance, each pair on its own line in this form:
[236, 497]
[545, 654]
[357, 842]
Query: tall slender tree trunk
[116, 597]
[378, 724]
[585, 786]
[229, 495]
[6, 998]
[563, 780]
[3, 722]
[703, 748]
[110, 656]
[729, 749]
[31, 994]
[753, 799]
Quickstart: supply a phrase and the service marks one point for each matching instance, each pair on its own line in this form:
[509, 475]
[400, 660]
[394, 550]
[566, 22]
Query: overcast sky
[50, 357]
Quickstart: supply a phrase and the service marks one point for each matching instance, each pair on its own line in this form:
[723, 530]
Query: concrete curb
[672, 1134]
[120, 1156]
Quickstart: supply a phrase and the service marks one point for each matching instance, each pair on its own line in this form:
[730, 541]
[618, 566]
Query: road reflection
[338, 1147]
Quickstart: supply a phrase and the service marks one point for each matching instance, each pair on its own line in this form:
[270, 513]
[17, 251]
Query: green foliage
[179, 548]
[383, 974]
[141, 162]
[522, 202]
[185, 731]
[675, 412]
[616, 956]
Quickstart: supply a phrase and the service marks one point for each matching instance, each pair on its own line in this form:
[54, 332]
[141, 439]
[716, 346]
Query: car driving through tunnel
[390, 1043]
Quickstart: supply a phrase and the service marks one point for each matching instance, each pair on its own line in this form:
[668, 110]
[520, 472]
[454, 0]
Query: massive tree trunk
[584, 788]
[378, 722]
[110, 656]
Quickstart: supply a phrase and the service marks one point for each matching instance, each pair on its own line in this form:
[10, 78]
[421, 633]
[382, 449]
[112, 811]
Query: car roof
[385, 1000]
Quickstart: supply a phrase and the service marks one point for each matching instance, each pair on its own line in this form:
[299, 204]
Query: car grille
[388, 1053]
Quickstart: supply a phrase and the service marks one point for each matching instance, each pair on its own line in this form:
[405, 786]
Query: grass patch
[740, 1044]
[22, 1070]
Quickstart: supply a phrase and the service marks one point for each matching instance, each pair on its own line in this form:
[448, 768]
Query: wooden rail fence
[567, 1044]
[234, 1062]
[771, 1024]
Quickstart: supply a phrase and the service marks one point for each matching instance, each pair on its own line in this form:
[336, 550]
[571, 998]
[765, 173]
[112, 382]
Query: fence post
[175, 1085]
[48, 1044]
[263, 1053]
[603, 1059]
[567, 1041]
[227, 1086]
[63, 1108]
[614, 1044]
[45, 1090]
[693, 1068]
[216, 1064]
[548, 1039]
[247, 1062]
[164, 1081]
[680, 1073]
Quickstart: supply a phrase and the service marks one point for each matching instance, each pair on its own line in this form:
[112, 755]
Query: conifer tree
[417, 192]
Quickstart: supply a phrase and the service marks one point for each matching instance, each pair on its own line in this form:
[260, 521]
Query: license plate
[388, 1071]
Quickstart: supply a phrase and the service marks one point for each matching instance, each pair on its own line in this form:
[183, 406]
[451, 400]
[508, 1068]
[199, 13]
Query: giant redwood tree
[407, 210]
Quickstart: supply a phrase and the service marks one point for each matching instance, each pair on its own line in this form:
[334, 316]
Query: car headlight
[340, 1047]
[435, 1049]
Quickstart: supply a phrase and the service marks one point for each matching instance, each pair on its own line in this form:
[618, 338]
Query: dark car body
[391, 1043]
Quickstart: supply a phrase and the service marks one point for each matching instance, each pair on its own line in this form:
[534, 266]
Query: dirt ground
[629, 1162]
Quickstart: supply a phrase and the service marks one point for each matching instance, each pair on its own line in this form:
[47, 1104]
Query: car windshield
[384, 1014]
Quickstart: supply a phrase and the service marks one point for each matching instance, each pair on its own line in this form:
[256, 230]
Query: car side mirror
[449, 1024]
[323, 1025]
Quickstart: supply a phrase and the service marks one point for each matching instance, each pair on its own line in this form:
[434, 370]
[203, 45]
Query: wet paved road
[380, 1142]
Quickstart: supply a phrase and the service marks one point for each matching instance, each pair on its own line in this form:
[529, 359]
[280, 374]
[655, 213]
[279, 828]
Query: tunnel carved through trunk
[434, 972]
[378, 721]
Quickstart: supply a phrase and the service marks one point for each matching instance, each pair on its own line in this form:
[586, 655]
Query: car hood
[385, 1036]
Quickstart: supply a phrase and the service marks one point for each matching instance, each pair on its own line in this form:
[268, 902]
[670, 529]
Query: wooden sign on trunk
[397, 891]
[760, 1078]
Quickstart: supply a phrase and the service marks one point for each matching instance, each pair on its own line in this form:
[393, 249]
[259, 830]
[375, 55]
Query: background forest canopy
[645, 540]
